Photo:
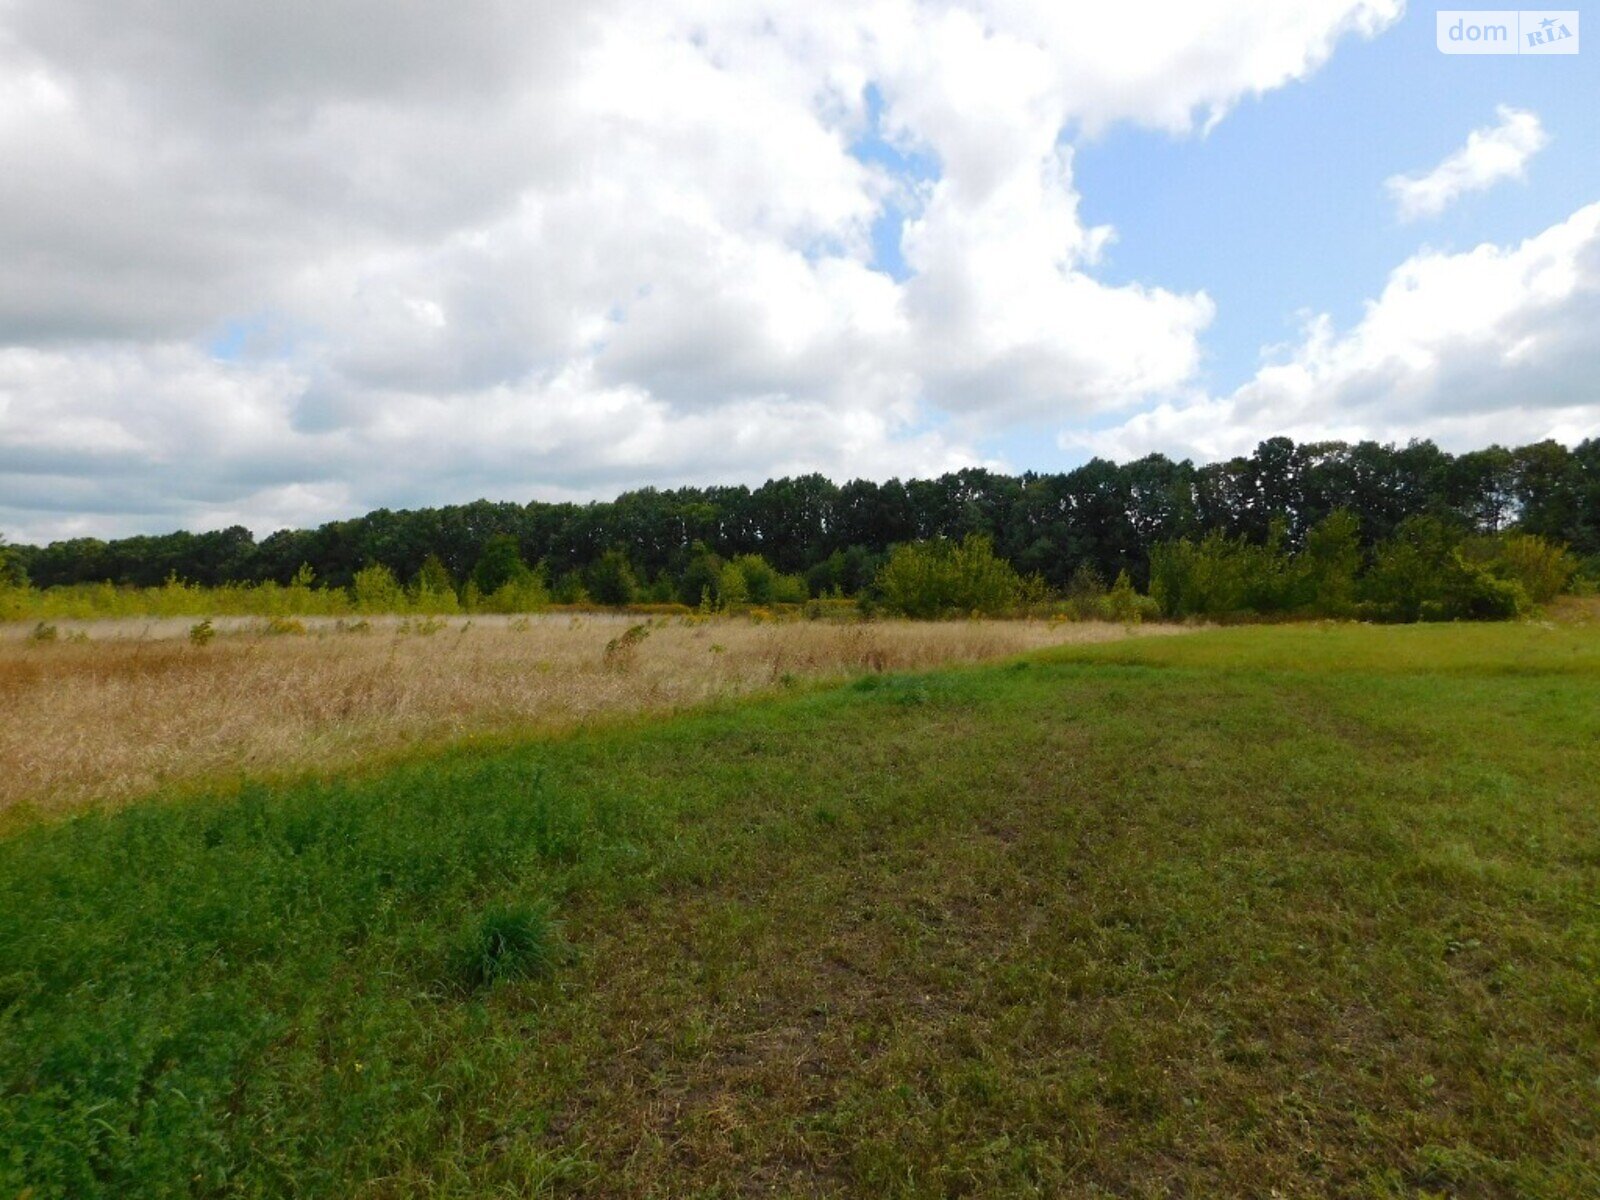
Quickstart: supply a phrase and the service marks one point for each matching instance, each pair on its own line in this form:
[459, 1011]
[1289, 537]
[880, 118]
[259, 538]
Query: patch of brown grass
[1574, 610]
[137, 706]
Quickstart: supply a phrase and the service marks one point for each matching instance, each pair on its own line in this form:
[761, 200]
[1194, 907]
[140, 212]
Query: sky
[276, 264]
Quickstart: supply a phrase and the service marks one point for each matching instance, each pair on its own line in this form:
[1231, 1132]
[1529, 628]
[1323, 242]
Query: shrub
[434, 590]
[698, 583]
[943, 578]
[1477, 594]
[622, 652]
[1425, 573]
[761, 583]
[1542, 568]
[733, 587]
[12, 572]
[376, 590]
[299, 592]
[569, 589]
[202, 633]
[661, 591]
[524, 594]
[499, 564]
[1324, 573]
[1124, 605]
[1085, 590]
[16, 602]
[610, 579]
[1220, 576]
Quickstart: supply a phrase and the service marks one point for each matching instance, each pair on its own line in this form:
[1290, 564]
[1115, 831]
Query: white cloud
[1492, 155]
[117, 439]
[494, 247]
[1490, 345]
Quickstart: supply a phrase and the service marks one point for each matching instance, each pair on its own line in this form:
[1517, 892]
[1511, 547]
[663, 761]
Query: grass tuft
[506, 944]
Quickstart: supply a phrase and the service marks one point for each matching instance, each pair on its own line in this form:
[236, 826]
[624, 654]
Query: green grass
[1295, 908]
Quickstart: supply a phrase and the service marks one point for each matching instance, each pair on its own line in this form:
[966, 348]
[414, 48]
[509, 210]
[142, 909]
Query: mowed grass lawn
[1301, 911]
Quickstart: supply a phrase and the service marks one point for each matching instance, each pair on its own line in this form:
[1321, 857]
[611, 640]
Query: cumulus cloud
[1492, 155]
[278, 262]
[1495, 344]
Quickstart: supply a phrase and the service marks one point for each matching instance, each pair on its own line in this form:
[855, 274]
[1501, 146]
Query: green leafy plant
[944, 578]
[610, 580]
[506, 944]
[376, 590]
[500, 564]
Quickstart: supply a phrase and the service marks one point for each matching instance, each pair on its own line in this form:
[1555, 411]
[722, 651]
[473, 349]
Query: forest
[795, 538]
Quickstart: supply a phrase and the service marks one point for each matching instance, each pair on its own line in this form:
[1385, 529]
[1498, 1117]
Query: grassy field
[108, 710]
[1295, 911]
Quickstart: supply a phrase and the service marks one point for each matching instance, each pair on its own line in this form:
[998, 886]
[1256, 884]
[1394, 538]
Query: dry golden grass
[136, 706]
[1574, 610]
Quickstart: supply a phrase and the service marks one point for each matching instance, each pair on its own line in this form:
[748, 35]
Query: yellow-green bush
[944, 578]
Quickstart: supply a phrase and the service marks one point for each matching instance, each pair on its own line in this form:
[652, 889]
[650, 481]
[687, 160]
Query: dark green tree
[610, 579]
[499, 564]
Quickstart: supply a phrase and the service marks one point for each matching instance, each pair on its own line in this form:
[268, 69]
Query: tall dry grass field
[137, 705]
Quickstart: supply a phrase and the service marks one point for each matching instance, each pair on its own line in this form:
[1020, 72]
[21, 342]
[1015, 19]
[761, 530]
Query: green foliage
[760, 580]
[173, 599]
[12, 572]
[610, 579]
[526, 593]
[1542, 568]
[1275, 841]
[202, 633]
[1291, 529]
[944, 578]
[43, 632]
[848, 572]
[1425, 571]
[504, 945]
[1103, 514]
[733, 587]
[1325, 571]
[1124, 605]
[1421, 574]
[434, 588]
[261, 994]
[750, 579]
[569, 589]
[1220, 576]
[1084, 592]
[700, 579]
[500, 564]
[376, 590]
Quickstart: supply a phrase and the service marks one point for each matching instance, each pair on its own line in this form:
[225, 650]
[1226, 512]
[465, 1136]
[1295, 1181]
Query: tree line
[807, 536]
